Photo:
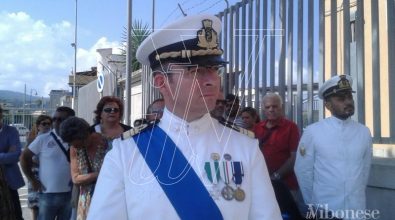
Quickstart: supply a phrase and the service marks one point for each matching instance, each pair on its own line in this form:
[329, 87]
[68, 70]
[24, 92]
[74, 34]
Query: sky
[36, 35]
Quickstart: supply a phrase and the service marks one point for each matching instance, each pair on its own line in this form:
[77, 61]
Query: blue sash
[175, 175]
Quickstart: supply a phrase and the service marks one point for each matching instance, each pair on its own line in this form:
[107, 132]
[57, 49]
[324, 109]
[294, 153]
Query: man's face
[232, 107]
[57, 119]
[220, 107]
[272, 108]
[156, 111]
[248, 120]
[192, 89]
[341, 105]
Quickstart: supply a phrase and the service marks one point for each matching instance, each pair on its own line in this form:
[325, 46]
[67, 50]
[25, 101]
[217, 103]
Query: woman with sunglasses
[109, 112]
[43, 125]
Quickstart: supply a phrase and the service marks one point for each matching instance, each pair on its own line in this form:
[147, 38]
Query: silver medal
[227, 157]
[227, 192]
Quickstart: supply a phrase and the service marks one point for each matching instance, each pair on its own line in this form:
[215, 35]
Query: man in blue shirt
[10, 149]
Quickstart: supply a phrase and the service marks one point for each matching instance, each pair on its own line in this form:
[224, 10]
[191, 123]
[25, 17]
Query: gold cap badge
[208, 37]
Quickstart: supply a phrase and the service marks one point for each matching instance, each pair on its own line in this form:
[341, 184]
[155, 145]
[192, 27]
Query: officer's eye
[202, 70]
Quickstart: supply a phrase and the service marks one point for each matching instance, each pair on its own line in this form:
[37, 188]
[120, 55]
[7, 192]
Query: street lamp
[128, 65]
[31, 94]
[24, 103]
[74, 45]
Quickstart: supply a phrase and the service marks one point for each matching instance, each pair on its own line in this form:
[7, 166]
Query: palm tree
[138, 33]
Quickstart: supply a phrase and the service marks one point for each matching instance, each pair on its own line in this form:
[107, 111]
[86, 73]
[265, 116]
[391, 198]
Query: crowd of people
[196, 154]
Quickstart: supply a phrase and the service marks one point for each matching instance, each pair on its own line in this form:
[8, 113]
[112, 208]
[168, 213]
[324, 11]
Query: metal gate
[292, 46]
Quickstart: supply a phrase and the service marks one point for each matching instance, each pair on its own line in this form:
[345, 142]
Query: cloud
[86, 58]
[38, 53]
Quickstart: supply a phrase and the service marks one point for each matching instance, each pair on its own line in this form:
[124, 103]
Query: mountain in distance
[16, 99]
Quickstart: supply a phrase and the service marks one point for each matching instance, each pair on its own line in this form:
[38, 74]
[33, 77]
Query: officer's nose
[349, 101]
[209, 78]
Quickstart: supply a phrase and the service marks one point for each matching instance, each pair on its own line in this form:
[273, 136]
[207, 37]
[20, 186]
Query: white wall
[89, 97]
[136, 102]
[110, 66]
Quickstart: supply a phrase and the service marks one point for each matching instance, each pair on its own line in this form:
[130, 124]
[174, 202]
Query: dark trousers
[17, 204]
[288, 207]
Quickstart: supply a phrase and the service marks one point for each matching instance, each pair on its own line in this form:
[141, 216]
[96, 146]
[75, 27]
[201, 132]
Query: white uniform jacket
[126, 188]
[333, 162]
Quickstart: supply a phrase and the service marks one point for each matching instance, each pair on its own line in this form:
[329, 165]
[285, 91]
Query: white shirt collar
[173, 123]
[339, 122]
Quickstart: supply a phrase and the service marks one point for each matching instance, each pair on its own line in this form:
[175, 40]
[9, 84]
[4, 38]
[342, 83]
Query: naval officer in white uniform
[334, 156]
[230, 180]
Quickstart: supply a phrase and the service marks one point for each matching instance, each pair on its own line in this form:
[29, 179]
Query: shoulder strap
[67, 153]
[176, 176]
[233, 126]
[266, 136]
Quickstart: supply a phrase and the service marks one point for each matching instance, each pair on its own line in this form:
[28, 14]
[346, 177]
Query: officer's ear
[328, 103]
[161, 82]
[159, 79]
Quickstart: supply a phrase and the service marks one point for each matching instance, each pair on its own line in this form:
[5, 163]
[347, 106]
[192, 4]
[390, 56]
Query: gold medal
[215, 156]
[239, 194]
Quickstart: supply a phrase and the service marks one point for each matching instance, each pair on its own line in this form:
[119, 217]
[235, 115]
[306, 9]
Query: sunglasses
[111, 110]
[45, 123]
[56, 119]
[157, 110]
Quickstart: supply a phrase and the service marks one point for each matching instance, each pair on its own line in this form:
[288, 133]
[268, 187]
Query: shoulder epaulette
[133, 131]
[237, 128]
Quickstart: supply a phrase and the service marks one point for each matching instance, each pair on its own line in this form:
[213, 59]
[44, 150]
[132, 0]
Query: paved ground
[23, 198]
[23, 192]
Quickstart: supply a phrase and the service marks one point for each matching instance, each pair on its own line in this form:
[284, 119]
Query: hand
[95, 175]
[275, 176]
[37, 185]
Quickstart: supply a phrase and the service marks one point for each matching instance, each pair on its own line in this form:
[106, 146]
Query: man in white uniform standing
[334, 157]
[187, 166]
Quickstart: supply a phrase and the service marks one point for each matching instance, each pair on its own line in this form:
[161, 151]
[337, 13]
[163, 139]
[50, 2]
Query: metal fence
[17, 116]
[26, 117]
[292, 46]
[22, 119]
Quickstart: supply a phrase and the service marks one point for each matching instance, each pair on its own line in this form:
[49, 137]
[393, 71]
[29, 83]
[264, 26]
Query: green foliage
[138, 33]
